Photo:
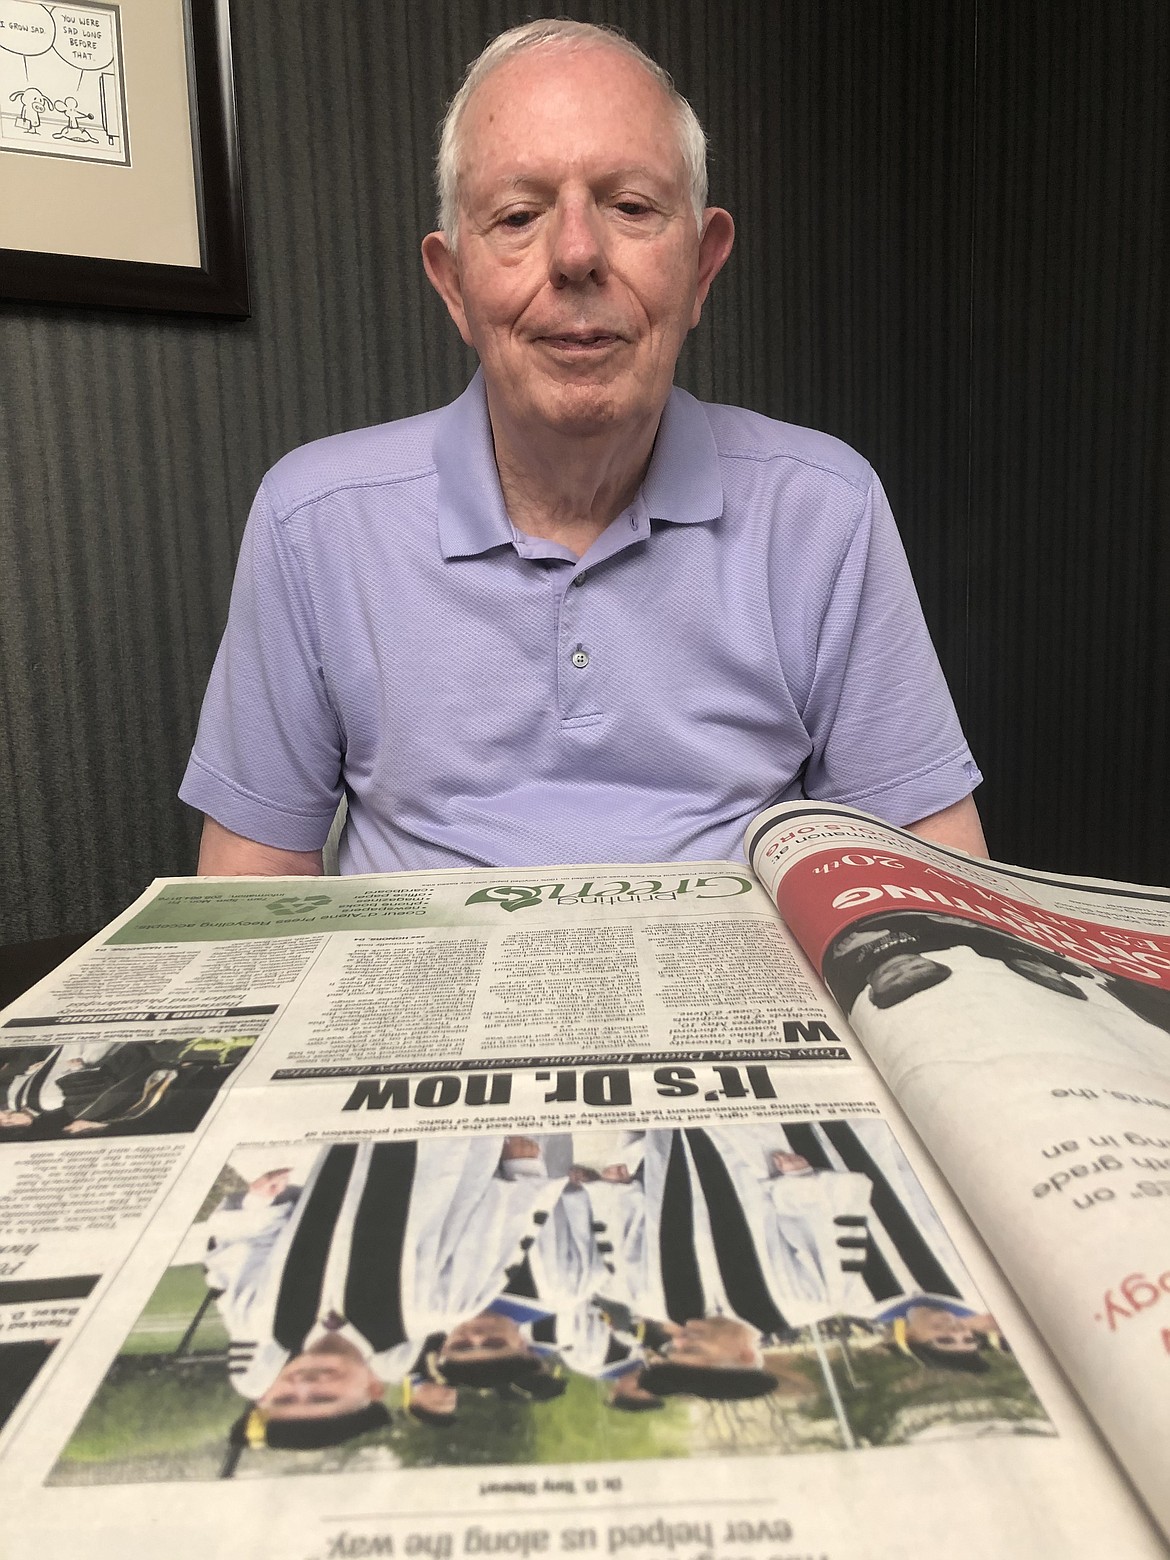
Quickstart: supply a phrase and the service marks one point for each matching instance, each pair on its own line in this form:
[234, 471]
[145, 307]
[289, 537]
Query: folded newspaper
[669, 1212]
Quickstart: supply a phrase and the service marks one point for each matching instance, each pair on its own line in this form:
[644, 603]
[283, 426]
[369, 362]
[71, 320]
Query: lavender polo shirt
[746, 632]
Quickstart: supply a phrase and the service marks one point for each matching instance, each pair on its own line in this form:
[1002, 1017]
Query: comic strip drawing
[73, 131]
[62, 88]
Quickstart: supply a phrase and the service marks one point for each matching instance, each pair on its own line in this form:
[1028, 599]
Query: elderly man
[576, 615]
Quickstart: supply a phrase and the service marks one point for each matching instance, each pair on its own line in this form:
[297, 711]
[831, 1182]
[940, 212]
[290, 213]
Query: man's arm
[224, 854]
[957, 825]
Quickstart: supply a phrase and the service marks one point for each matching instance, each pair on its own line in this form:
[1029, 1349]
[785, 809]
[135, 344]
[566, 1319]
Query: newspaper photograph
[475, 1213]
[779, 1287]
[119, 1088]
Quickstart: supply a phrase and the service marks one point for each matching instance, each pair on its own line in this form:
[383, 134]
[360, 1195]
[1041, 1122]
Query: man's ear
[715, 243]
[442, 270]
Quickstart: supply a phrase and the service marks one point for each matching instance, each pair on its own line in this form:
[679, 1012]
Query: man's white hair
[547, 33]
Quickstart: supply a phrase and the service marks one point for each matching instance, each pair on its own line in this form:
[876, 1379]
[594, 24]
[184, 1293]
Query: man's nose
[578, 251]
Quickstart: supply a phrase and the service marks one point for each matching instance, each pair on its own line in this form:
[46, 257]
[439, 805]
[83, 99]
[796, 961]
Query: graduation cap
[533, 1389]
[254, 1429]
[731, 1384]
[499, 1371]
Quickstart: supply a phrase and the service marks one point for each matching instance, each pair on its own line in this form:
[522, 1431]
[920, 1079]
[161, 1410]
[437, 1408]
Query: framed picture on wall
[119, 163]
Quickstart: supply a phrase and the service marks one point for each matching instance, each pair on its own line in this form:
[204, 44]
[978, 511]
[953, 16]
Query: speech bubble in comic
[26, 29]
[85, 38]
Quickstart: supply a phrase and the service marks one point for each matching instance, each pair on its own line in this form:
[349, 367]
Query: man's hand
[957, 826]
[224, 854]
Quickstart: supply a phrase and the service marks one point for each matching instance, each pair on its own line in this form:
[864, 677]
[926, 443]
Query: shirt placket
[583, 643]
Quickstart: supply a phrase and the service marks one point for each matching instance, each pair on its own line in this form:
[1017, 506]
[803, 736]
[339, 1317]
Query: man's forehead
[604, 63]
[534, 171]
[553, 81]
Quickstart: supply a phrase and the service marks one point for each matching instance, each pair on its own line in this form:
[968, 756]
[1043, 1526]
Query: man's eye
[632, 208]
[518, 219]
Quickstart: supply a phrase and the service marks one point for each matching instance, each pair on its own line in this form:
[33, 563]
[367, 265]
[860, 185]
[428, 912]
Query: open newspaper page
[1023, 1022]
[469, 1214]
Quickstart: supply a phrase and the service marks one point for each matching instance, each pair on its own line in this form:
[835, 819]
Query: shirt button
[579, 658]
[579, 579]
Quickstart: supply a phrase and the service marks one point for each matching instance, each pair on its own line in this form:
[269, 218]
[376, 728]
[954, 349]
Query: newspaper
[1023, 1022]
[499, 1213]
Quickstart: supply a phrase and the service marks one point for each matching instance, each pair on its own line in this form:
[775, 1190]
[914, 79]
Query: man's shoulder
[384, 454]
[743, 435]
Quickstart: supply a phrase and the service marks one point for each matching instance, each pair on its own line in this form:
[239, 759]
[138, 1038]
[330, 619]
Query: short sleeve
[886, 737]
[267, 757]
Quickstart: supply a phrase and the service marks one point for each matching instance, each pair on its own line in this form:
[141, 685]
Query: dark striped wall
[952, 253]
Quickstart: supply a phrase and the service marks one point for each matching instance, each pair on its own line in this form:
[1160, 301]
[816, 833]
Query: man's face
[271, 1183]
[520, 1148]
[434, 1397]
[580, 267]
[483, 1337]
[941, 1330]
[719, 1342]
[902, 976]
[1042, 973]
[629, 1389]
[330, 1378]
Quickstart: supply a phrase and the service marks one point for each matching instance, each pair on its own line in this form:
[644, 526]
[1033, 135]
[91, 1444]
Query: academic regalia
[387, 1244]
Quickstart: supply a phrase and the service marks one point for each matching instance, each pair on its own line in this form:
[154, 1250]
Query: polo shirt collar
[682, 484]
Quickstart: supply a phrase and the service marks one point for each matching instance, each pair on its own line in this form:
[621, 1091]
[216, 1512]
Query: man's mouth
[581, 340]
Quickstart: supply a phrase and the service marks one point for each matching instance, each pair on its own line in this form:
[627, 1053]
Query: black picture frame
[219, 285]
